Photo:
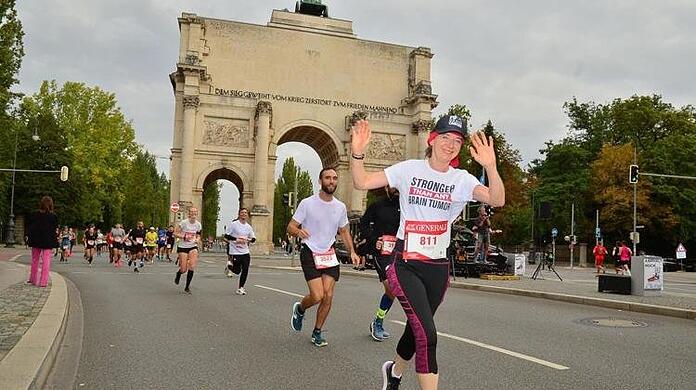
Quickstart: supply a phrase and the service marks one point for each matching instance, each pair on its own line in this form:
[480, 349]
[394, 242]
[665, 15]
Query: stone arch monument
[243, 89]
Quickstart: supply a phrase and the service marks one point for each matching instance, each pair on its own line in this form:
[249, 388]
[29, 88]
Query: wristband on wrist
[358, 156]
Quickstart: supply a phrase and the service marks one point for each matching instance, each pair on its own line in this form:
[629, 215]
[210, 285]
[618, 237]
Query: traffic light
[63, 173]
[286, 199]
[633, 174]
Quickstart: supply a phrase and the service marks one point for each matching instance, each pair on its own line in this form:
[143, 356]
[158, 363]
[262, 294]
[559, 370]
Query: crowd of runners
[407, 232]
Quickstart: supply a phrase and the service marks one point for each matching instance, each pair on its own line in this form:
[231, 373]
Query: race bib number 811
[426, 240]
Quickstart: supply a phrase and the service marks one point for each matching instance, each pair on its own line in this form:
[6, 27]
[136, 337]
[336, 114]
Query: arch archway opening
[316, 139]
[222, 198]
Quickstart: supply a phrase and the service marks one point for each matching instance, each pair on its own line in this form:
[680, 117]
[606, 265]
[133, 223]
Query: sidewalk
[30, 322]
[579, 285]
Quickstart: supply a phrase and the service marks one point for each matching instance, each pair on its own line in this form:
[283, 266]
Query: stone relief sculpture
[386, 147]
[225, 134]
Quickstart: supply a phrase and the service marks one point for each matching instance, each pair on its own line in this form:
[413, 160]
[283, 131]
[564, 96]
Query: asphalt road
[140, 331]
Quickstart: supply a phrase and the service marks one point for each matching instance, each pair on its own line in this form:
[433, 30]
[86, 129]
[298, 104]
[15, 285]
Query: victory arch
[243, 89]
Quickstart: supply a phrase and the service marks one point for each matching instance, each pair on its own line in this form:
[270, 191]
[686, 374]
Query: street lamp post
[10, 231]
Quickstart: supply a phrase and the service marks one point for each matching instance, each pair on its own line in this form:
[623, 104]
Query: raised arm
[482, 151]
[363, 180]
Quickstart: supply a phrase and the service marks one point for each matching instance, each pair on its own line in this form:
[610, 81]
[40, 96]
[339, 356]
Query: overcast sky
[514, 62]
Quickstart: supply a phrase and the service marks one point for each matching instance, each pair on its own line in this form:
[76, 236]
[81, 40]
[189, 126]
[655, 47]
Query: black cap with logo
[451, 124]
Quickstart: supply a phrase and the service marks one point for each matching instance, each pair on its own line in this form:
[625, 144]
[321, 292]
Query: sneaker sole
[385, 380]
[372, 332]
[320, 345]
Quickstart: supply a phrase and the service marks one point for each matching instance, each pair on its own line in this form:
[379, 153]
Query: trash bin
[647, 275]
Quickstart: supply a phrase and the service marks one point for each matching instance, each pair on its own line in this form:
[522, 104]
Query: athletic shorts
[150, 247]
[118, 245]
[89, 247]
[136, 248]
[185, 250]
[310, 270]
[381, 264]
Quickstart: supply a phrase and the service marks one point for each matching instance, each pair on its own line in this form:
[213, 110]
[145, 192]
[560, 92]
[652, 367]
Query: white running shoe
[241, 291]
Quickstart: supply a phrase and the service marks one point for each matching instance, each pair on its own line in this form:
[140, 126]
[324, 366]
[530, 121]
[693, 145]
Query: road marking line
[498, 349]
[280, 291]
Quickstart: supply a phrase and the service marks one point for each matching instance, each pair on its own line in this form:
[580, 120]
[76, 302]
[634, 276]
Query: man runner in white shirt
[240, 234]
[433, 194]
[321, 216]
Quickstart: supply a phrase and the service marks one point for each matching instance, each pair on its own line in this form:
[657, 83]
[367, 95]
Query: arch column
[263, 137]
[262, 218]
[190, 104]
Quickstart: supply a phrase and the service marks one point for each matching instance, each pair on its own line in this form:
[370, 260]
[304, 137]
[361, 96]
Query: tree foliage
[112, 179]
[285, 184]
[211, 208]
[11, 52]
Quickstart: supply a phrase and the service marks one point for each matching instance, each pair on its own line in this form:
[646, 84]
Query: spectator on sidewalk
[599, 251]
[625, 257]
[42, 240]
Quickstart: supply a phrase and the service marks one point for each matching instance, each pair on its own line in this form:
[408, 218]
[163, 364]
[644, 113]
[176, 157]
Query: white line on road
[280, 291]
[497, 349]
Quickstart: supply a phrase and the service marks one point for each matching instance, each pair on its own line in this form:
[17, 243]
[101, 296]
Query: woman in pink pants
[42, 240]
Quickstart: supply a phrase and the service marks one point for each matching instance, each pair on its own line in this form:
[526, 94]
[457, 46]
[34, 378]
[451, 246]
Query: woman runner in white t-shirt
[189, 233]
[433, 195]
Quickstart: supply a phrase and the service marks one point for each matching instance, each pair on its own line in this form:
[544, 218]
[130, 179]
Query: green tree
[11, 52]
[285, 184]
[211, 208]
[83, 128]
[144, 192]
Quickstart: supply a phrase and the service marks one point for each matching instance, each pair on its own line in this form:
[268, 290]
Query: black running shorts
[311, 271]
[185, 250]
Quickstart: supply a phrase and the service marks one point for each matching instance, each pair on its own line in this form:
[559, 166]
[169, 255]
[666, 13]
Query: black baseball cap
[451, 124]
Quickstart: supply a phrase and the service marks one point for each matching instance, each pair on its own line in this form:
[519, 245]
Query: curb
[28, 364]
[605, 303]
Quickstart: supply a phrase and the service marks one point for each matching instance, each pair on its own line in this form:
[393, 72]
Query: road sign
[554, 232]
[681, 251]
[598, 232]
[174, 207]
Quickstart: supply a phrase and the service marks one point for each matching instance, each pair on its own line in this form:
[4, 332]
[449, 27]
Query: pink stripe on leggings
[422, 366]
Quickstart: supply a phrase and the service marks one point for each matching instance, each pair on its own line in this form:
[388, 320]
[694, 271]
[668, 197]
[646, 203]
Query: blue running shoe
[376, 330]
[317, 340]
[296, 320]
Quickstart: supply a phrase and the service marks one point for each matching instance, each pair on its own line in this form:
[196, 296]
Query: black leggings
[244, 261]
[420, 288]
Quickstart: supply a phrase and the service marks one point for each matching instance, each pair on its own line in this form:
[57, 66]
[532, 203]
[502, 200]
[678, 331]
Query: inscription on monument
[304, 100]
[226, 132]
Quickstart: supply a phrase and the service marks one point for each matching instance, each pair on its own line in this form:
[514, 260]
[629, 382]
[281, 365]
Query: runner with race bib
[189, 231]
[137, 236]
[321, 217]
[90, 242]
[433, 194]
[240, 234]
[118, 235]
[379, 225]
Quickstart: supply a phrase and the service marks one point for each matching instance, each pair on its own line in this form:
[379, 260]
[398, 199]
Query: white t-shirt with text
[322, 220]
[238, 229]
[189, 231]
[428, 195]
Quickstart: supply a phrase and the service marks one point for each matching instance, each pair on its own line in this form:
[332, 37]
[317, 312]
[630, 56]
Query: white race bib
[138, 240]
[90, 242]
[117, 239]
[325, 260]
[426, 240]
[189, 237]
[169, 246]
[388, 244]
